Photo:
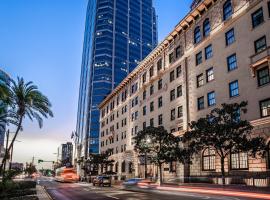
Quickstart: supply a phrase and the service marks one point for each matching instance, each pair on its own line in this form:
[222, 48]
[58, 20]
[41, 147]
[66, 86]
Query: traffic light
[39, 161]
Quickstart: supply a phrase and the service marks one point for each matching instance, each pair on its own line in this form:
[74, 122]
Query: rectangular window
[171, 57]
[229, 36]
[151, 71]
[257, 17]
[152, 106]
[232, 62]
[151, 89]
[200, 81]
[144, 94]
[179, 91]
[208, 52]
[160, 84]
[178, 71]
[172, 95]
[260, 44]
[239, 160]
[180, 111]
[152, 122]
[263, 76]
[211, 98]
[144, 125]
[160, 102]
[234, 88]
[178, 52]
[200, 103]
[160, 119]
[199, 58]
[210, 74]
[144, 110]
[159, 64]
[265, 108]
[172, 76]
[172, 114]
[144, 78]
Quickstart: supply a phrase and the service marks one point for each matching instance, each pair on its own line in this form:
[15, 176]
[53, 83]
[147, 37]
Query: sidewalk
[42, 194]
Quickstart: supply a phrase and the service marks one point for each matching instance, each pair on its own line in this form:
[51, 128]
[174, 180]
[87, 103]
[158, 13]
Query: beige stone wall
[243, 47]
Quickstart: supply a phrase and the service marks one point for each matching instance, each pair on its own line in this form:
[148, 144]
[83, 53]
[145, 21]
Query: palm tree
[25, 101]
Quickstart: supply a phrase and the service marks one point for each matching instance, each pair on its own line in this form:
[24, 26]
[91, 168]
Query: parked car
[102, 181]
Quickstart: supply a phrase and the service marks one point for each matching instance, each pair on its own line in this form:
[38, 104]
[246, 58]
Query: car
[66, 175]
[102, 181]
[131, 183]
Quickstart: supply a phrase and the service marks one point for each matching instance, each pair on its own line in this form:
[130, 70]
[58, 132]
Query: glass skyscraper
[118, 34]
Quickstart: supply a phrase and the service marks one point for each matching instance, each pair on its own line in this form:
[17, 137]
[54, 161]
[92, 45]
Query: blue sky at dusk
[41, 40]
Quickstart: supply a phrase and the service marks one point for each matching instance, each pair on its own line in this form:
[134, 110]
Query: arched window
[209, 159]
[116, 167]
[206, 27]
[227, 10]
[197, 35]
[239, 160]
[123, 166]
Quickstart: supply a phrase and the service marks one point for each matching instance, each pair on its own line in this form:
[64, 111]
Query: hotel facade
[218, 53]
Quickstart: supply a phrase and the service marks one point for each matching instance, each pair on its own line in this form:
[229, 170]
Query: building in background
[219, 53]
[16, 166]
[4, 79]
[64, 154]
[118, 35]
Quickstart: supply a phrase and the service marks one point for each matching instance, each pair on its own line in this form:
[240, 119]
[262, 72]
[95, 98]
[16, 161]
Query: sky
[41, 41]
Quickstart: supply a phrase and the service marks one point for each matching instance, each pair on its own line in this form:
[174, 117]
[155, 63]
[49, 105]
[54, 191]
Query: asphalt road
[82, 191]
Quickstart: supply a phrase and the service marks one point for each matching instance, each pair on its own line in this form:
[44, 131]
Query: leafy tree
[158, 143]
[224, 131]
[25, 101]
[97, 160]
[30, 169]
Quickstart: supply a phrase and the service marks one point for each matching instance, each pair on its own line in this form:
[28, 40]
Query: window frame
[212, 99]
[238, 161]
[200, 81]
[178, 71]
[172, 95]
[231, 91]
[197, 35]
[173, 114]
[172, 77]
[159, 84]
[262, 48]
[259, 78]
[254, 25]
[229, 64]
[200, 103]
[229, 39]
[208, 55]
[208, 76]
[179, 91]
[179, 111]
[261, 110]
[197, 58]
[206, 24]
[160, 119]
[227, 5]
[211, 159]
[160, 102]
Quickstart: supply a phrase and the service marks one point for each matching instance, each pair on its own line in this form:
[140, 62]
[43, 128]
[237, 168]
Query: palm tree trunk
[12, 142]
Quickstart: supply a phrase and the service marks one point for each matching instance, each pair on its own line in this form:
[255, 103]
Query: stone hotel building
[218, 53]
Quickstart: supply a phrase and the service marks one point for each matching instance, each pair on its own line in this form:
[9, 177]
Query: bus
[66, 175]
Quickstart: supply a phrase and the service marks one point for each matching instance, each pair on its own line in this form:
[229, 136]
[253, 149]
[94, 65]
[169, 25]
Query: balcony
[259, 59]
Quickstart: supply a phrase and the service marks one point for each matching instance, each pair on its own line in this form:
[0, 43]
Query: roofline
[181, 26]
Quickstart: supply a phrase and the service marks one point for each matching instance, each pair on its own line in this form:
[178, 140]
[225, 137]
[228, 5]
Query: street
[83, 191]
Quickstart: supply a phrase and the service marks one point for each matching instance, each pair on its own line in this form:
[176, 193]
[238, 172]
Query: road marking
[112, 197]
